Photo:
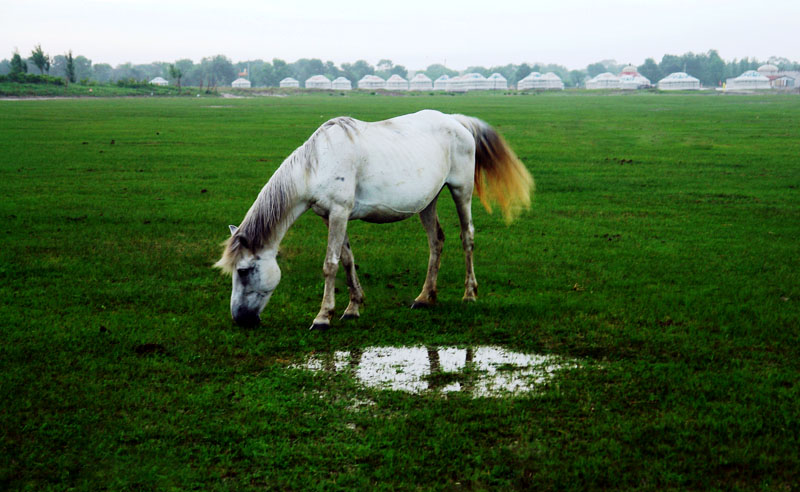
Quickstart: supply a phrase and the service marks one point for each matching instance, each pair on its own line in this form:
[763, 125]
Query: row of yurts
[766, 77]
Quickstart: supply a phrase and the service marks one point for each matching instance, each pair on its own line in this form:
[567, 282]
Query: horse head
[255, 276]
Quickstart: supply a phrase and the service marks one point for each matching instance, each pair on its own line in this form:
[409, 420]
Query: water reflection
[485, 371]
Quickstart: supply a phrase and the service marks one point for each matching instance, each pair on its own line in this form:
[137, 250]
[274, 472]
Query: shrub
[29, 78]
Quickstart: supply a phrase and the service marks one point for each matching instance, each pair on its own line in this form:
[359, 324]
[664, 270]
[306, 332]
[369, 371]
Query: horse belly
[396, 194]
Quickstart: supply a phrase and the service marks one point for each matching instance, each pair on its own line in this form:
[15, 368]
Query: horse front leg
[433, 229]
[337, 231]
[356, 293]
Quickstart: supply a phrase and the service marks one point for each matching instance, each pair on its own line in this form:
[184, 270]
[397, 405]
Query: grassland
[661, 250]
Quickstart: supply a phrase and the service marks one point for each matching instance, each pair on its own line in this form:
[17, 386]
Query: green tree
[596, 69]
[70, 68]
[40, 59]
[18, 65]
[670, 64]
[650, 70]
[437, 70]
[576, 78]
[357, 70]
[102, 72]
[176, 74]
[217, 70]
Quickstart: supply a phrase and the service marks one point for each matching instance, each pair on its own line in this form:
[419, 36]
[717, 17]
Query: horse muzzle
[246, 318]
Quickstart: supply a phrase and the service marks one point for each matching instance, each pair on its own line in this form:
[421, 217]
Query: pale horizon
[417, 34]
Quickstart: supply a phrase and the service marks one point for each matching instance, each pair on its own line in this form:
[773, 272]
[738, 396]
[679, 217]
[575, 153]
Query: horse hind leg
[463, 199]
[356, 292]
[430, 221]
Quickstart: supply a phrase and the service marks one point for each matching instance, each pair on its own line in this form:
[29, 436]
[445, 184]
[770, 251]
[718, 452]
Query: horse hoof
[320, 327]
[421, 305]
[469, 300]
[347, 316]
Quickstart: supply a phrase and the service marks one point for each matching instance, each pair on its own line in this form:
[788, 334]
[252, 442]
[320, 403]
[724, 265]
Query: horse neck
[290, 184]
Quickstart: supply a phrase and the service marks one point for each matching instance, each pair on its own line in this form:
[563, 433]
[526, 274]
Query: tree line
[219, 70]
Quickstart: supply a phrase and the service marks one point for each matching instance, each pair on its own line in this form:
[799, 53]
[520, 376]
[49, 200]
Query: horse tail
[499, 174]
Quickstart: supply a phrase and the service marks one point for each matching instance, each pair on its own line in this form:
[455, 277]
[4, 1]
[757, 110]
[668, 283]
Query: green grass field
[661, 251]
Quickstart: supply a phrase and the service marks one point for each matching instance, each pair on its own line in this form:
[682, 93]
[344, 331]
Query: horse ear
[233, 229]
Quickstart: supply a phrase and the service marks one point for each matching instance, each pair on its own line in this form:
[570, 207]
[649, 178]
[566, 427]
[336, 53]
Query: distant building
[678, 81]
[440, 84]
[605, 80]
[420, 82]
[318, 82]
[469, 82]
[371, 82]
[631, 79]
[289, 82]
[241, 83]
[159, 81]
[342, 84]
[778, 79]
[396, 83]
[750, 80]
[498, 82]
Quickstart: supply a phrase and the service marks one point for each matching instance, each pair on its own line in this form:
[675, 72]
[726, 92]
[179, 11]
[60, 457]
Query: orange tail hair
[499, 174]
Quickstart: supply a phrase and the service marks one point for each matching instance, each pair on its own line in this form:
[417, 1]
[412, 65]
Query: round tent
[341, 84]
[768, 70]
[531, 81]
[440, 84]
[749, 80]
[241, 83]
[551, 81]
[289, 82]
[630, 81]
[469, 82]
[318, 82]
[498, 81]
[420, 82]
[678, 81]
[159, 81]
[371, 82]
[396, 83]
[605, 80]
[629, 70]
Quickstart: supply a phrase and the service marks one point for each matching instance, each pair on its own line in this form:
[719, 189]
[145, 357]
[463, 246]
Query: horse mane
[271, 207]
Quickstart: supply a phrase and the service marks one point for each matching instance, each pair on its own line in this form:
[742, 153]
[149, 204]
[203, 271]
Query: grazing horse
[377, 172]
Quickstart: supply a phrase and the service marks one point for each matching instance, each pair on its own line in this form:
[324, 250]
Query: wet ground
[483, 371]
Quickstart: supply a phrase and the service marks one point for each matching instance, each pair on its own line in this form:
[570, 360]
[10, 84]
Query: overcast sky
[413, 33]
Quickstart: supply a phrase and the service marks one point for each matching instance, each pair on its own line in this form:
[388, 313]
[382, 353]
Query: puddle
[485, 371]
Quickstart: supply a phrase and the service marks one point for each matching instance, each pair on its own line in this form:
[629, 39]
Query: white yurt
[289, 82]
[605, 80]
[241, 83]
[159, 81]
[751, 79]
[531, 81]
[440, 84]
[396, 83]
[420, 82]
[318, 82]
[629, 81]
[371, 82]
[678, 81]
[551, 81]
[341, 84]
[768, 70]
[469, 82]
[629, 70]
[498, 82]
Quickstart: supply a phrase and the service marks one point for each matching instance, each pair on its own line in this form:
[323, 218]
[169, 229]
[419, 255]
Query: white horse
[377, 172]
